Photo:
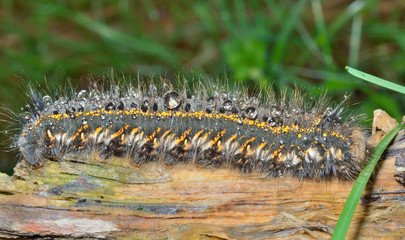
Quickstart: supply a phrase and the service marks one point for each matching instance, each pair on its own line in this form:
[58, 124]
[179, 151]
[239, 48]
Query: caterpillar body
[285, 137]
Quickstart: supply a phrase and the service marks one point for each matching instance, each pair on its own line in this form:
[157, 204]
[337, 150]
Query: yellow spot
[247, 143]
[233, 137]
[98, 130]
[217, 137]
[79, 131]
[167, 132]
[262, 145]
[206, 135]
[183, 136]
[118, 133]
[299, 135]
[135, 130]
[153, 135]
[275, 153]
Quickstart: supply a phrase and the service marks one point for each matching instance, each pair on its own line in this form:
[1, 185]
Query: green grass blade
[136, 44]
[352, 10]
[376, 80]
[282, 37]
[345, 218]
[322, 38]
[355, 40]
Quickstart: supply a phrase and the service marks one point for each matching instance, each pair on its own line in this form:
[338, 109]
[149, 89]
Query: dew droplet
[84, 121]
[275, 111]
[134, 106]
[251, 113]
[211, 102]
[187, 107]
[155, 107]
[47, 100]
[172, 100]
[83, 95]
[81, 108]
[94, 94]
[329, 111]
[227, 105]
[120, 106]
[109, 106]
[144, 106]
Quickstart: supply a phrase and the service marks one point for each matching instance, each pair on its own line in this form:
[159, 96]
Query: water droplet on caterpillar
[251, 113]
[83, 95]
[145, 105]
[134, 106]
[227, 105]
[172, 100]
[187, 107]
[47, 100]
[94, 94]
[275, 111]
[120, 106]
[329, 111]
[211, 102]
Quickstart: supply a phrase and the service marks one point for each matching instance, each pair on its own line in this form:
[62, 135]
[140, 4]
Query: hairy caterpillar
[286, 136]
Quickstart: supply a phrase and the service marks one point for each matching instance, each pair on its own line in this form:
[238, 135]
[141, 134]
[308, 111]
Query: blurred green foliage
[294, 42]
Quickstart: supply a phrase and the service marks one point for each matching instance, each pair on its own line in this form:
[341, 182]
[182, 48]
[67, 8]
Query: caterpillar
[291, 135]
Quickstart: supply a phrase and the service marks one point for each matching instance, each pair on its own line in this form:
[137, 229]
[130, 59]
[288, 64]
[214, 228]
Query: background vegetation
[302, 42]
